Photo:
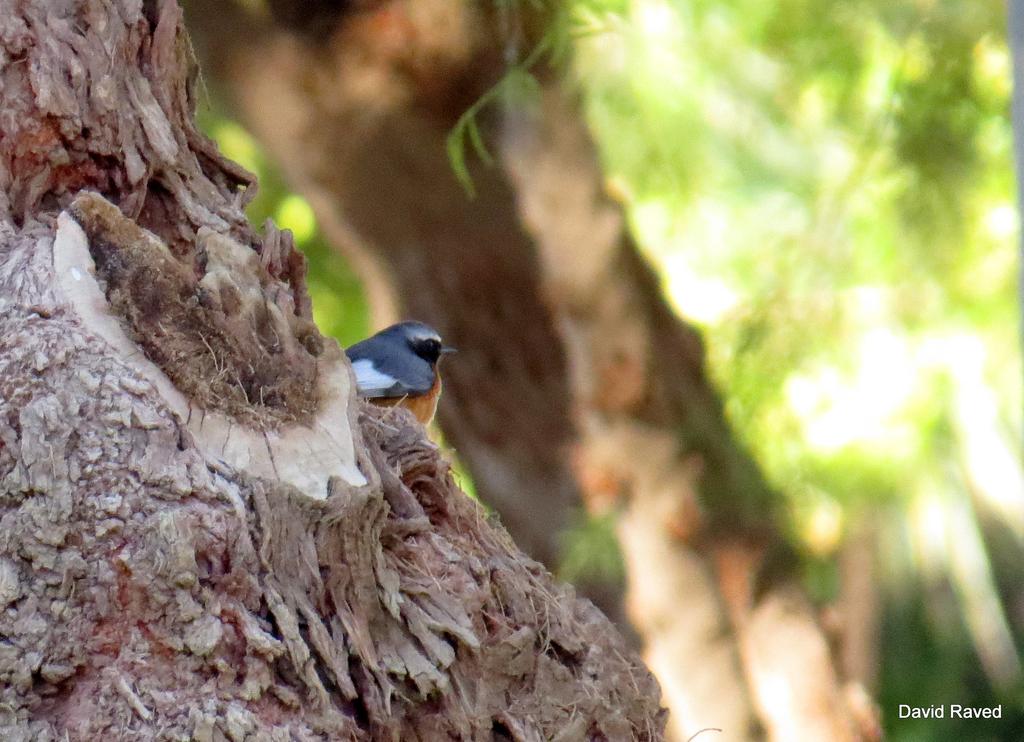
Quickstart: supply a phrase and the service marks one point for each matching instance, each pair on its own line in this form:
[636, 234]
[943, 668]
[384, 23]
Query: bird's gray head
[423, 340]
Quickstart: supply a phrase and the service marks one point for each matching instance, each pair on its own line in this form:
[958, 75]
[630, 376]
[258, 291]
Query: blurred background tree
[825, 190]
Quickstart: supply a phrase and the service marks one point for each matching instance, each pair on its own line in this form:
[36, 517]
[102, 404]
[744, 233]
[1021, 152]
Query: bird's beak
[447, 350]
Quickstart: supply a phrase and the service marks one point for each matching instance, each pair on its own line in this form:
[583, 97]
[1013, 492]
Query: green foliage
[827, 188]
[518, 83]
[566, 22]
[591, 551]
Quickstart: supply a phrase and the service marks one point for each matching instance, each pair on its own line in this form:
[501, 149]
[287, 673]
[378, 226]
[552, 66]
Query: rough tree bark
[538, 278]
[202, 535]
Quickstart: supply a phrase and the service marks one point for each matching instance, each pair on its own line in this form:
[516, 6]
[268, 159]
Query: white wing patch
[370, 381]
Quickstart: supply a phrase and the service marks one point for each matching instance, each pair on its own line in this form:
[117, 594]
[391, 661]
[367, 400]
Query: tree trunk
[202, 535]
[571, 349]
[653, 432]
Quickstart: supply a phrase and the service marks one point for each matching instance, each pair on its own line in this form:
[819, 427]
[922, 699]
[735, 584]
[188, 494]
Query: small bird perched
[399, 366]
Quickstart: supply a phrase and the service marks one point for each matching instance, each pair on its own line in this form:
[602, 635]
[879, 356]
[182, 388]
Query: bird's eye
[428, 349]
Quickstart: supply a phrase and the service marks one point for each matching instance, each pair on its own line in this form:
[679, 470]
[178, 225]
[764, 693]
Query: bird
[399, 366]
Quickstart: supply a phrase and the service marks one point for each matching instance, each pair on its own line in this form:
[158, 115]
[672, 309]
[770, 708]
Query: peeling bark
[299, 436]
[169, 567]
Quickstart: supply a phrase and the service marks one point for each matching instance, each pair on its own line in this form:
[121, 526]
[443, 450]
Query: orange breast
[423, 406]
